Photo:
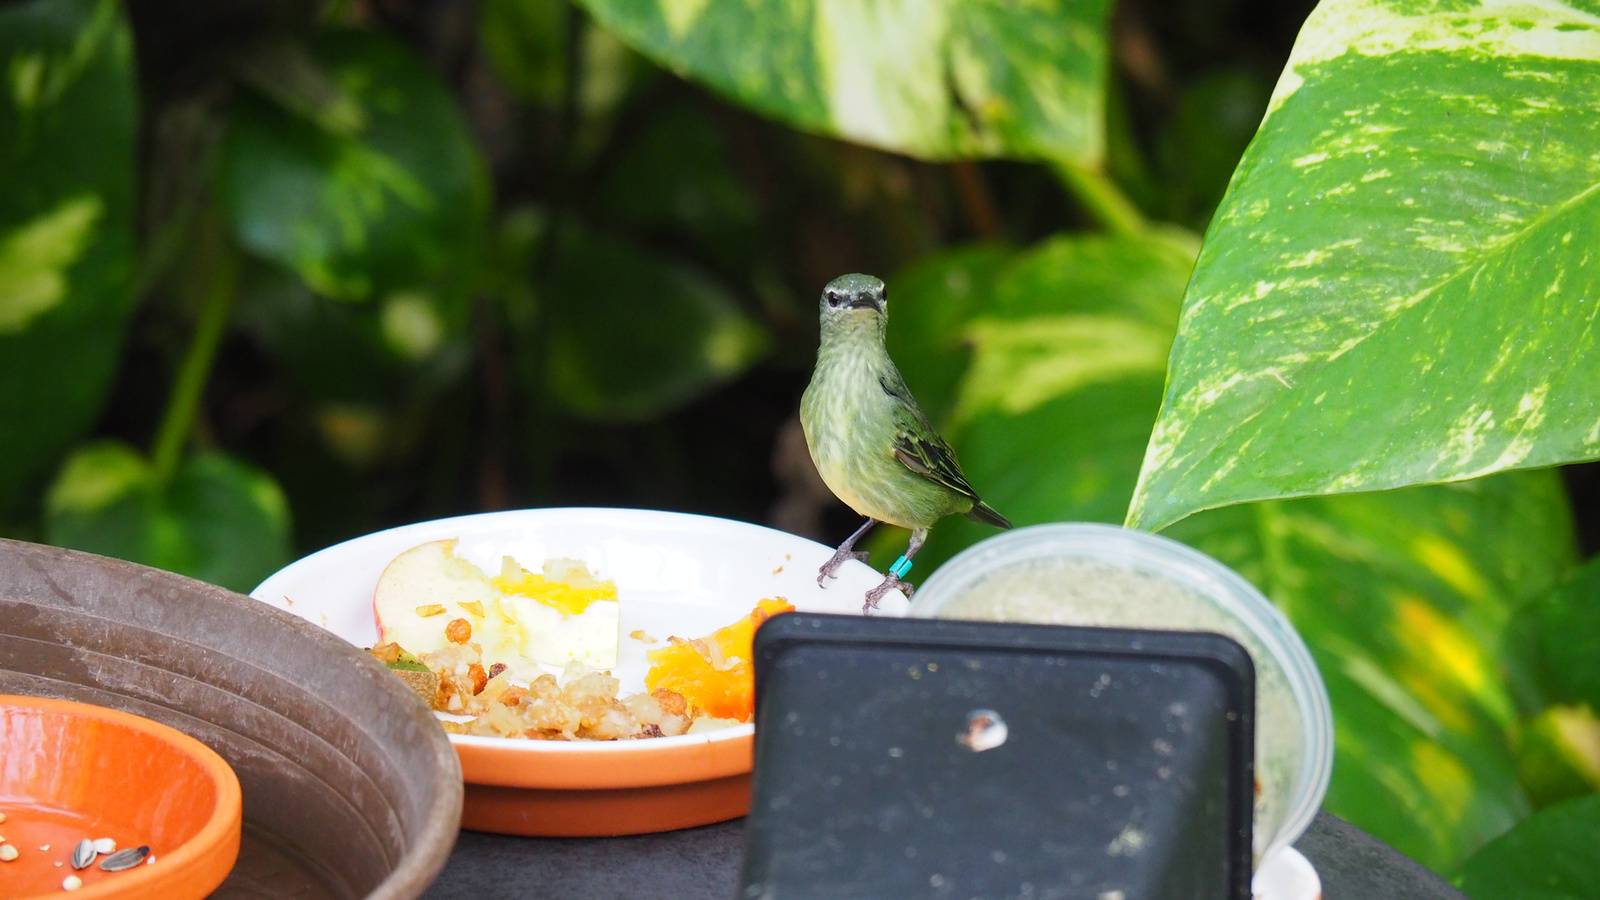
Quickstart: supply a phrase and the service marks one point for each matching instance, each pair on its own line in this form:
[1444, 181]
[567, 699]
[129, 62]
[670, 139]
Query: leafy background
[273, 275]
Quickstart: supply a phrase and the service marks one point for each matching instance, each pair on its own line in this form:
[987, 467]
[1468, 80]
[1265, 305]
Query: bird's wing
[919, 448]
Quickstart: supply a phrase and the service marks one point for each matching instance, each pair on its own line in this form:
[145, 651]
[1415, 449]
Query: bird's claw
[888, 584]
[839, 558]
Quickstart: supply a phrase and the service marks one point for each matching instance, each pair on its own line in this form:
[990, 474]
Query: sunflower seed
[124, 859]
[83, 854]
[103, 846]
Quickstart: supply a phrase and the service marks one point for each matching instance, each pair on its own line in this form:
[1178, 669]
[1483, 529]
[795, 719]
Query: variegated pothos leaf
[1401, 284]
[932, 78]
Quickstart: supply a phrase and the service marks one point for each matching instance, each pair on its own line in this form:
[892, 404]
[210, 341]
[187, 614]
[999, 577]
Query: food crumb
[71, 883]
[8, 853]
[1128, 843]
[777, 570]
[639, 635]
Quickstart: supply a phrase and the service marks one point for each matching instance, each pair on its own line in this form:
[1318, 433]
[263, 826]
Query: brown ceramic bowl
[72, 772]
[349, 787]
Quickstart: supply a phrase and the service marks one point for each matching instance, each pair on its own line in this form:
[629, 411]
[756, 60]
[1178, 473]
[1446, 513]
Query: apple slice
[426, 588]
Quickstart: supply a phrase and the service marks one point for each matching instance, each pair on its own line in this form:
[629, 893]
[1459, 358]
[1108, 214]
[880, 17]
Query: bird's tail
[983, 512]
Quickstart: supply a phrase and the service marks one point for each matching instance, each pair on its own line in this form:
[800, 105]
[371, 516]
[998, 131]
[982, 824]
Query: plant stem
[177, 424]
[1103, 199]
[977, 201]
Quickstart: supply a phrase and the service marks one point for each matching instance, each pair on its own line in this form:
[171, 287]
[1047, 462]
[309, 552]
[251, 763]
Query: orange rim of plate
[220, 829]
[598, 765]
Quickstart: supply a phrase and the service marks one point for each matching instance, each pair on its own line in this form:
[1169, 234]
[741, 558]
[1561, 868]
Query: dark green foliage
[387, 195]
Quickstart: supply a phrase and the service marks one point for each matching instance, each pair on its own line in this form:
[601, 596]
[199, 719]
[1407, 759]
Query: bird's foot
[840, 557]
[889, 583]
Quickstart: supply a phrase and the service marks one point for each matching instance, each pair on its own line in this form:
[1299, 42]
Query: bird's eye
[833, 297]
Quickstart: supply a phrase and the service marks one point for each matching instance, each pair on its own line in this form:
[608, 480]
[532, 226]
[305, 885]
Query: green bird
[870, 441]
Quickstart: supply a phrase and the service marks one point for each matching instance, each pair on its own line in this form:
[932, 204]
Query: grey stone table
[704, 863]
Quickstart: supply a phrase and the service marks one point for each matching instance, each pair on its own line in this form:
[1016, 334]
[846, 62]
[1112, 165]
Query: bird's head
[854, 298]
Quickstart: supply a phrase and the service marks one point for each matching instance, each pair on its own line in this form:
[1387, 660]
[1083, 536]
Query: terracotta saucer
[70, 771]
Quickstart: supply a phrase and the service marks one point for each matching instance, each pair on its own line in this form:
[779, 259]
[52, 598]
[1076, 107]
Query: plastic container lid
[1102, 575]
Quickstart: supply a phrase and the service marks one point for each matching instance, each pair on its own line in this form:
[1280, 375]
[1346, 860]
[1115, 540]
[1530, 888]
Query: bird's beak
[864, 301]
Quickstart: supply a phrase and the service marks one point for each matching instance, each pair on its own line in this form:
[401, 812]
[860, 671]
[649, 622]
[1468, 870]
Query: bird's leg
[845, 553]
[896, 572]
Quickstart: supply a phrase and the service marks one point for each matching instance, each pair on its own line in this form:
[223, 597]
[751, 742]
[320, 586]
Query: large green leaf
[1558, 754]
[346, 353]
[1068, 351]
[67, 129]
[1553, 855]
[930, 303]
[388, 194]
[937, 79]
[1565, 631]
[1400, 285]
[1404, 598]
[633, 336]
[219, 520]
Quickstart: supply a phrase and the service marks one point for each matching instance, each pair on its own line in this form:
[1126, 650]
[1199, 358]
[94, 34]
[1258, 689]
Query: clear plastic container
[1101, 575]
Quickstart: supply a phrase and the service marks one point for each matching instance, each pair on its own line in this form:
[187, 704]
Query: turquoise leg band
[900, 568]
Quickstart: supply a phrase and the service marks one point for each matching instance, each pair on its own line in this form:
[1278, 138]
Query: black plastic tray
[915, 757]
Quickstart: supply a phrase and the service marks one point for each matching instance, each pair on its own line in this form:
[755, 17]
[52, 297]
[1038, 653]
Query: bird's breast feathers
[850, 425]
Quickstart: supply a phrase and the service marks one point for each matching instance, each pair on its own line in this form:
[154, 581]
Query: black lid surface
[935, 758]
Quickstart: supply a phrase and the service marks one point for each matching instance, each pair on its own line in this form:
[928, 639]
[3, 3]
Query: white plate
[676, 574]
